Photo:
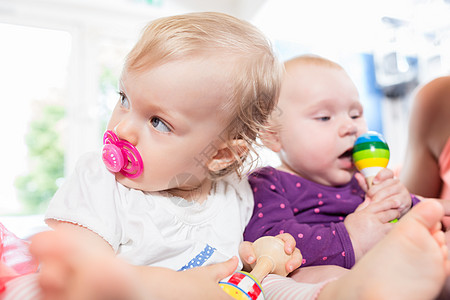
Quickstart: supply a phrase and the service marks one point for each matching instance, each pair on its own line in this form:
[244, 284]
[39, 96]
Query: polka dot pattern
[200, 258]
[313, 214]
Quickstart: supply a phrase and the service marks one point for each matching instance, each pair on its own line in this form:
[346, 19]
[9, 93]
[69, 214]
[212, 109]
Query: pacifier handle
[113, 158]
[121, 156]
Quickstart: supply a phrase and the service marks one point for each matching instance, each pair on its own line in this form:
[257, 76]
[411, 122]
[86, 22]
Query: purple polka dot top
[312, 213]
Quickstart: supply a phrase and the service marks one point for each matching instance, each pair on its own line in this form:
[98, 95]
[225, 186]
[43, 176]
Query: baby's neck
[285, 168]
[195, 194]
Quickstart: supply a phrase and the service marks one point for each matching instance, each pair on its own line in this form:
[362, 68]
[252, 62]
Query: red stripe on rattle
[236, 278]
[254, 292]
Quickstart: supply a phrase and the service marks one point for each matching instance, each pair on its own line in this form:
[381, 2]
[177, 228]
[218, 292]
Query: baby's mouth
[347, 155]
[121, 156]
[129, 163]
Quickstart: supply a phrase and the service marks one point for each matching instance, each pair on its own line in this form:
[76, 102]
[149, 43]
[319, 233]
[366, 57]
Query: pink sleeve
[25, 287]
[15, 259]
[286, 288]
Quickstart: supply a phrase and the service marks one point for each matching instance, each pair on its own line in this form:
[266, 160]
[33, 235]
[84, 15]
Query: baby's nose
[126, 130]
[348, 128]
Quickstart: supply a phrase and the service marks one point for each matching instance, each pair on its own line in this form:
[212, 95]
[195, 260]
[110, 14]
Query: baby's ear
[226, 155]
[271, 139]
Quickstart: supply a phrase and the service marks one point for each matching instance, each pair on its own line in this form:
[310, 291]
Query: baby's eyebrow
[121, 85]
[324, 104]
[358, 105]
[123, 89]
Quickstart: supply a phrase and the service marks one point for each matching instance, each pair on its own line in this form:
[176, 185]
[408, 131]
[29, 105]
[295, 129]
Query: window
[34, 75]
[59, 81]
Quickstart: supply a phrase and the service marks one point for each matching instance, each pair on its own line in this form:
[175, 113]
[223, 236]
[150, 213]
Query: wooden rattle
[270, 258]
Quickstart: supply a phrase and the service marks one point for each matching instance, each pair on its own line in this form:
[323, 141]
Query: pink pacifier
[121, 156]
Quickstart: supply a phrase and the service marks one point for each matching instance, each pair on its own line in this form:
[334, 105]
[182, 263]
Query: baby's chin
[129, 183]
[342, 178]
[141, 183]
[124, 181]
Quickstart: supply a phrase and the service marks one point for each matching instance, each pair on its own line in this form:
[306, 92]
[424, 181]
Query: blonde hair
[255, 76]
[295, 62]
[312, 60]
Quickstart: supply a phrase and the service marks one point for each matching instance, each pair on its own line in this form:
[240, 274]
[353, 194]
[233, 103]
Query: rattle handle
[263, 267]
[369, 181]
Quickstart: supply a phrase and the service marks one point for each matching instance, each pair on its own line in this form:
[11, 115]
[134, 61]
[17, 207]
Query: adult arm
[428, 131]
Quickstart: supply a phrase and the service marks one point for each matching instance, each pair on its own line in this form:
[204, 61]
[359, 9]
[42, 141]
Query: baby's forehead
[311, 69]
[193, 85]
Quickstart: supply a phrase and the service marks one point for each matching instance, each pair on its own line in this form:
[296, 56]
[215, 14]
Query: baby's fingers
[295, 261]
[388, 215]
[247, 253]
[381, 206]
[383, 175]
[361, 181]
[222, 270]
[289, 242]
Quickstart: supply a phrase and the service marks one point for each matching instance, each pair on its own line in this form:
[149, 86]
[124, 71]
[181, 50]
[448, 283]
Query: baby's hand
[369, 223]
[247, 253]
[289, 248]
[385, 186]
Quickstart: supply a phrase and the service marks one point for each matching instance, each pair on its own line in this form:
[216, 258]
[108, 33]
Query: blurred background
[60, 61]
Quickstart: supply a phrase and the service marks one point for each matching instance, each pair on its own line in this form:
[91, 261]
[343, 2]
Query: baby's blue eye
[159, 125]
[324, 118]
[124, 102]
[355, 115]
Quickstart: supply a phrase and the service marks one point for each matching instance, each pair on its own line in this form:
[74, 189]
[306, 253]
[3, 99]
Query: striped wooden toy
[270, 258]
[242, 286]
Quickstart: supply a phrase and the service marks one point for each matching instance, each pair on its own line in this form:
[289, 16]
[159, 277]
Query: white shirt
[154, 229]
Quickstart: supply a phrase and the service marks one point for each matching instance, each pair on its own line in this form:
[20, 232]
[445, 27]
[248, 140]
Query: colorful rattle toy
[121, 156]
[370, 155]
[271, 258]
